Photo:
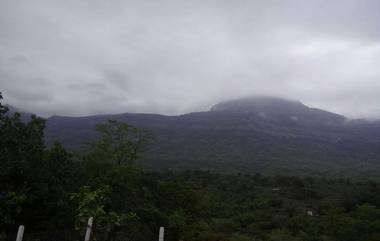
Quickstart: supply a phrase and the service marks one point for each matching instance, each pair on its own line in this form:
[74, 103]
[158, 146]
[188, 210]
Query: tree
[21, 152]
[33, 180]
[3, 109]
[119, 143]
[96, 203]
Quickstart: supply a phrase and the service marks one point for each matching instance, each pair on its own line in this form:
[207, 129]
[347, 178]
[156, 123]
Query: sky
[88, 57]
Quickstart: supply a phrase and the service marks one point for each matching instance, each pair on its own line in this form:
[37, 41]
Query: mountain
[279, 109]
[259, 134]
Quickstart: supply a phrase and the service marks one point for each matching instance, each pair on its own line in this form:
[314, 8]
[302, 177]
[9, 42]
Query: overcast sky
[108, 56]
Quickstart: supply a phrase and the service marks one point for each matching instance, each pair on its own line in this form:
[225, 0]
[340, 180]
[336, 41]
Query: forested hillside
[53, 192]
[267, 135]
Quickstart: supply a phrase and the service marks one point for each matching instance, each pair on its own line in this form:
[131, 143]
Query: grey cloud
[172, 57]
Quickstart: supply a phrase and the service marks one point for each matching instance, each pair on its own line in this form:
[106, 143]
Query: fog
[172, 57]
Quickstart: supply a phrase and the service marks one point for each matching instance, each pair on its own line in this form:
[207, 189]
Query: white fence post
[20, 233]
[161, 235]
[89, 229]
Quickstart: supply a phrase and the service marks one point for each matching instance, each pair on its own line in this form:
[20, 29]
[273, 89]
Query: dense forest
[269, 135]
[53, 192]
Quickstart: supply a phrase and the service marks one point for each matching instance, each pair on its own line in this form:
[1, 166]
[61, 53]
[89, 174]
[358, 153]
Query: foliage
[52, 190]
[3, 109]
[291, 140]
[119, 142]
[94, 203]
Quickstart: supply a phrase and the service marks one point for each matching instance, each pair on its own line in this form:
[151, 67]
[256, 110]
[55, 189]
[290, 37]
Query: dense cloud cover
[94, 56]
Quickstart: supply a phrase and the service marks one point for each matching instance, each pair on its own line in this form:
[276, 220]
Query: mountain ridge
[272, 136]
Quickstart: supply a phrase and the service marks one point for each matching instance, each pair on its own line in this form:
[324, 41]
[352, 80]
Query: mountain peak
[279, 109]
[259, 104]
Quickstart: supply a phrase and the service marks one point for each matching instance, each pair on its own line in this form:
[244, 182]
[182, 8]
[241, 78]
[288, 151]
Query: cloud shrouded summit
[88, 57]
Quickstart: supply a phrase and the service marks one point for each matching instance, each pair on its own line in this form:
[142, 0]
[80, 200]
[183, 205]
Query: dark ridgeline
[259, 134]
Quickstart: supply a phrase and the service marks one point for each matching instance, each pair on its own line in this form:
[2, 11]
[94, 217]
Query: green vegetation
[52, 190]
[252, 135]
[119, 143]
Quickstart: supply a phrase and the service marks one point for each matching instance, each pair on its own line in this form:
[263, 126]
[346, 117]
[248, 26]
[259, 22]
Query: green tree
[98, 204]
[33, 180]
[281, 235]
[3, 109]
[119, 142]
[21, 148]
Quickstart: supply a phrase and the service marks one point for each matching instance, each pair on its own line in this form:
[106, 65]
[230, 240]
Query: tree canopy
[119, 142]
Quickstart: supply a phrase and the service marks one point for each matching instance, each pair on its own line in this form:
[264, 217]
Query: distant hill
[261, 134]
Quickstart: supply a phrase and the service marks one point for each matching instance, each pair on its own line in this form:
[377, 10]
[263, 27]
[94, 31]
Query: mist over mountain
[258, 134]
[277, 108]
[263, 103]
[214, 120]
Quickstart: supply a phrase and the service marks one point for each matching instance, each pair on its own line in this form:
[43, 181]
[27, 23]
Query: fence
[65, 235]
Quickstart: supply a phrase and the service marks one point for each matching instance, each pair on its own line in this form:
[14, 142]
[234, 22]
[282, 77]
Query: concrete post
[161, 235]
[20, 233]
[89, 229]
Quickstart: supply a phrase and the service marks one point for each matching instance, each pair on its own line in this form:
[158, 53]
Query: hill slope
[268, 135]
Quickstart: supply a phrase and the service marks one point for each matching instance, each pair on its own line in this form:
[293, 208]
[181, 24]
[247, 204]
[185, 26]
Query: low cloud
[172, 57]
